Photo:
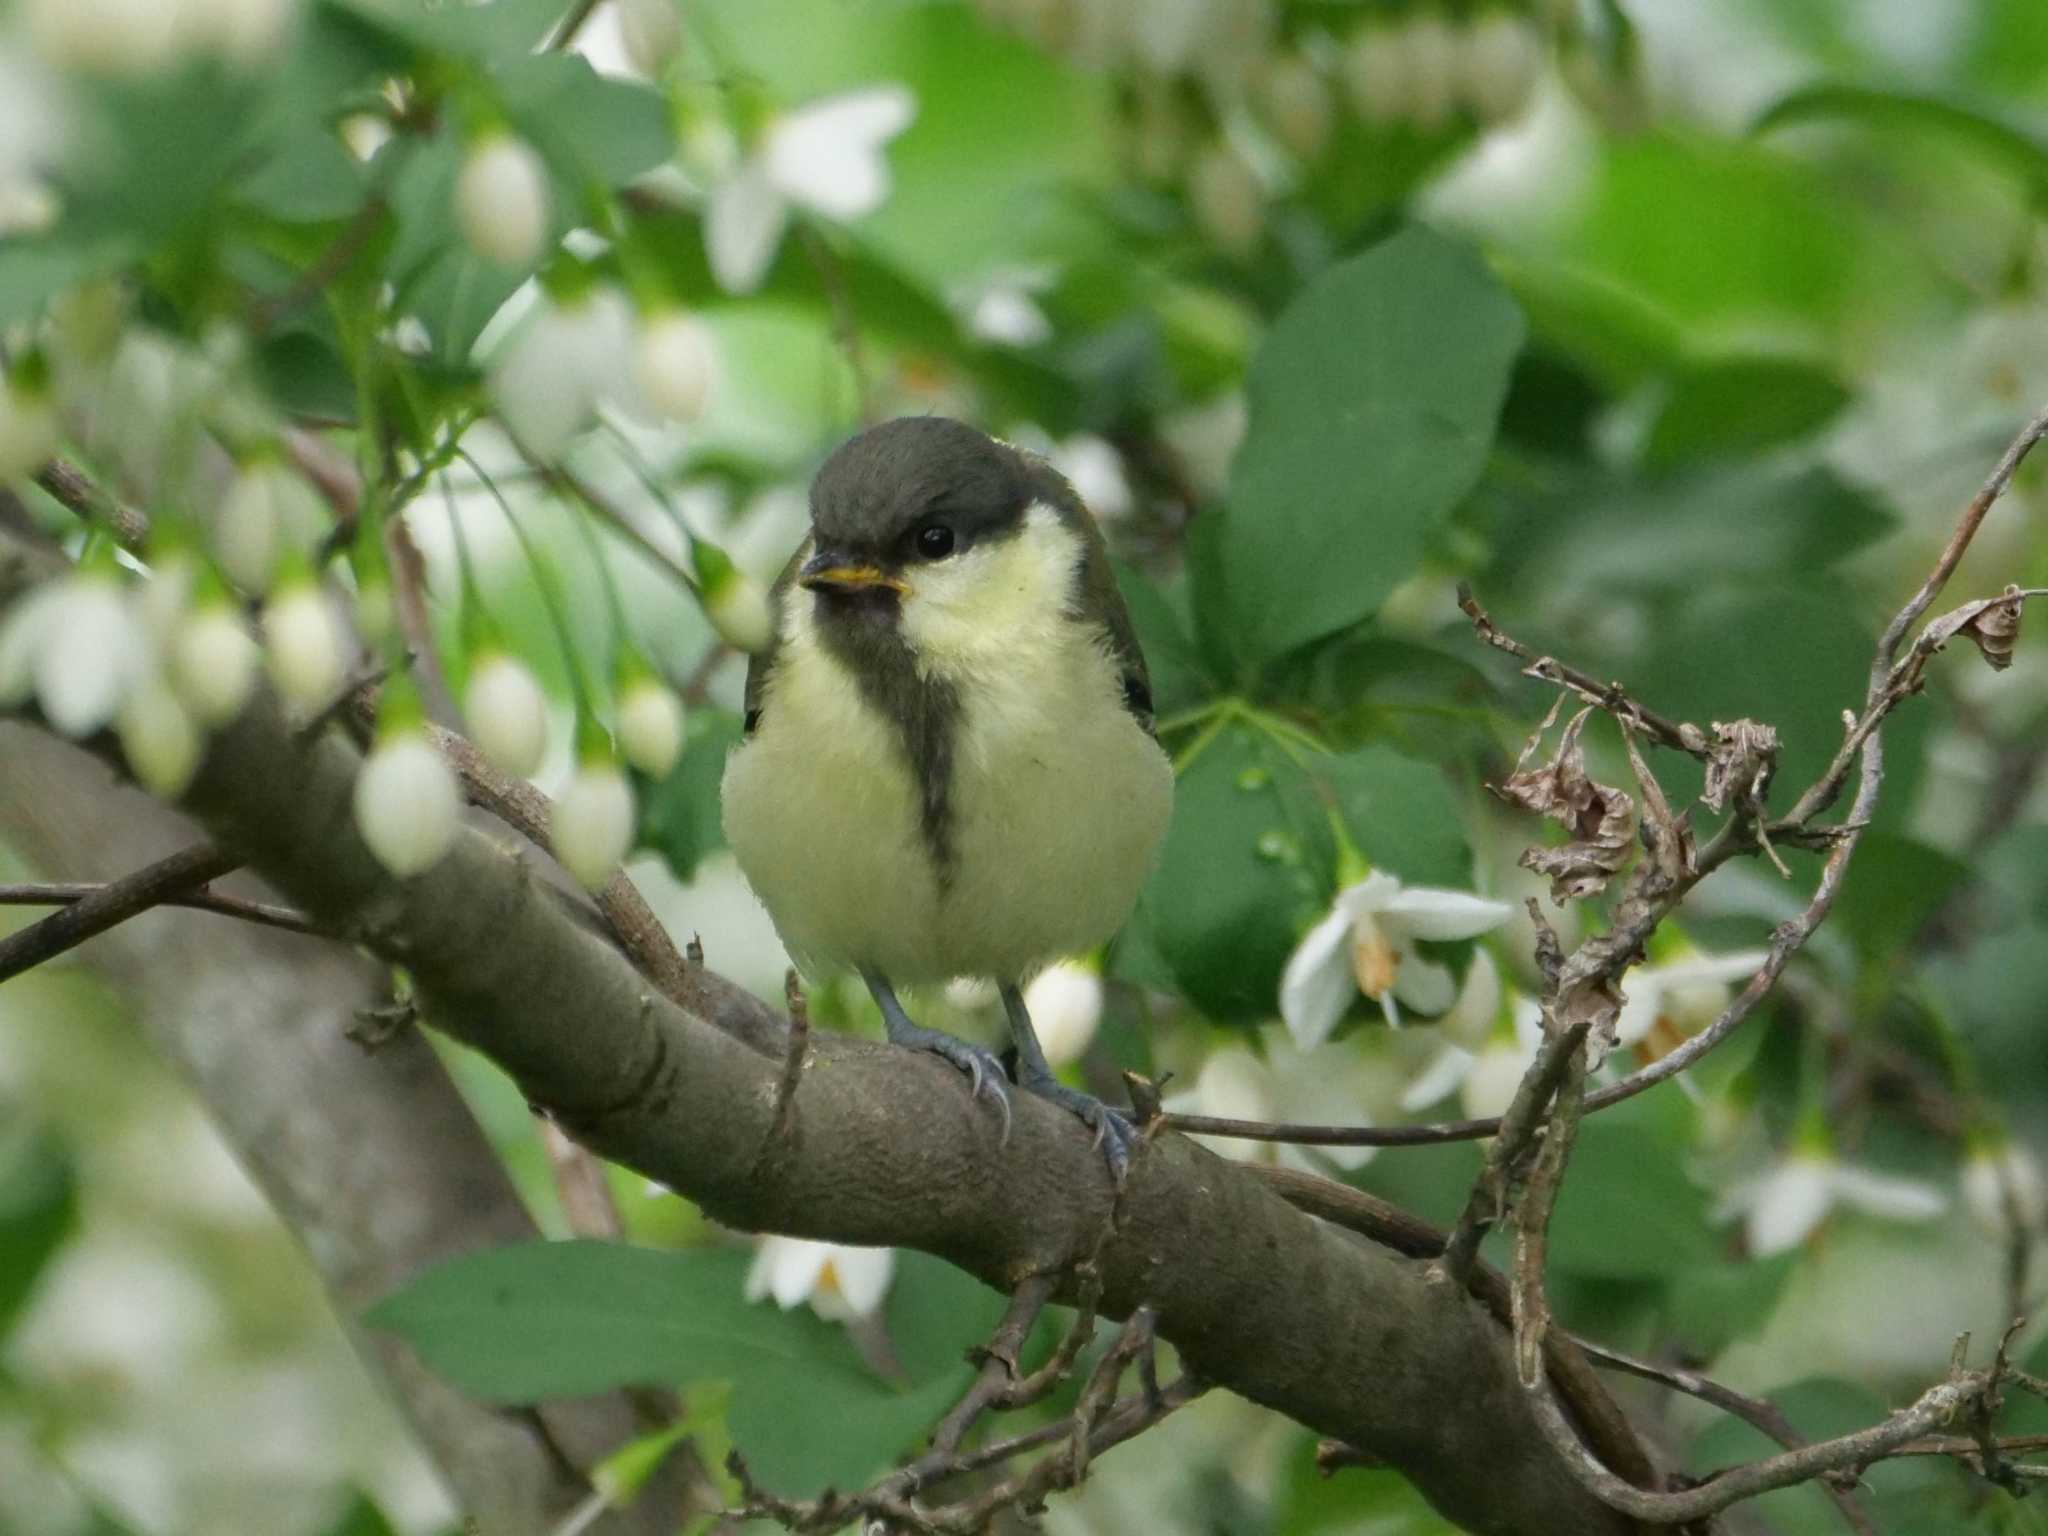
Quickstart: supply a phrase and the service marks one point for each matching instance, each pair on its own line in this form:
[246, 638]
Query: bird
[948, 766]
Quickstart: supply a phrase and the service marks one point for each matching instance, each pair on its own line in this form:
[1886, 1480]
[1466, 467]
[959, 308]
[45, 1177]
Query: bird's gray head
[914, 492]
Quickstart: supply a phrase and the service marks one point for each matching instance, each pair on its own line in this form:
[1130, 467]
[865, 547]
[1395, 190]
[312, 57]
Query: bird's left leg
[1114, 1131]
[984, 1072]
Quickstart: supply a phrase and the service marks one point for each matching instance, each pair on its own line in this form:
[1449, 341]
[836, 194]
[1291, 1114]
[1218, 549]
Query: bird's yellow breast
[1057, 797]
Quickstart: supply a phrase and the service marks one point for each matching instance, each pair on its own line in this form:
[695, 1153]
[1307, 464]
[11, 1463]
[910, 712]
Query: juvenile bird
[949, 767]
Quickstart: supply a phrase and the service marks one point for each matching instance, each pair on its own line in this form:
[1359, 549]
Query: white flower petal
[786, 1268]
[1639, 1007]
[1491, 1081]
[1317, 985]
[743, 226]
[864, 1275]
[1425, 912]
[828, 155]
[1786, 1204]
[1232, 1085]
[1423, 985]
[1887, 1196]
[1065, 1004]
[1439, 1078]
[1369, 895]
[1473, 1015]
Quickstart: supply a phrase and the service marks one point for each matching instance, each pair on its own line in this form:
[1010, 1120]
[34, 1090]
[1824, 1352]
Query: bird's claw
[1115, 1133]
[985, 1075]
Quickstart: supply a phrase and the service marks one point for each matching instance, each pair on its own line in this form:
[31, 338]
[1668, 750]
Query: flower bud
[650, 727]
[1297, 104]
[28, 425]
[2003, 1186]
[1430, 57]
[105, 37]
[737, 607]
[213, 663]
[244, 32]
[268, 510]
[307, 645]
[501, 200]
[159, 738]
[1375, 71]
[652, 31]
[406, 802]
[1227, 200]
[88, 652]
[673, 364]
[507, 713]
[1500, 56]
[1065, 1004]
[592, 830]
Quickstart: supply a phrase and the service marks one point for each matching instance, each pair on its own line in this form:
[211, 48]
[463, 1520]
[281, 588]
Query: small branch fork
[1100, 1420]
[93, 910]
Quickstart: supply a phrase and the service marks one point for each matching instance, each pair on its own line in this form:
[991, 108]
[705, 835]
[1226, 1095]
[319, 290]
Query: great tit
[949, 766]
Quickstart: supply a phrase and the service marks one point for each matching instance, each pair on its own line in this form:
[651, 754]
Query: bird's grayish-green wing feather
[761, 661]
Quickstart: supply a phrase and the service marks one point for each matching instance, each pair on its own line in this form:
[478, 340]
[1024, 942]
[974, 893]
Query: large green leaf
[590, 127]
[1899, 884]
[1373, 404]
[679, 815]
[1741, 406]
[1400, 814]
[499, 29]
[539, 1320]
[1628, 1210]
[38, 1208]
[1997, 142]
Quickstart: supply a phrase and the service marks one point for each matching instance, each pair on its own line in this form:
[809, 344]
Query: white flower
[1001, 308]
[1331, 1085]
[501, 200]
[838, 1280]
[569, 356]
[1065, 1004]
[507, 713]
[1465, 1030]
[307, 645]
[109, 37]
[1228, 203]
[1497, 1069]
[28, 429]
[76, 645]
[268, 509]
[1375, 68]
[673, 364]
[213, 663]
[737, 607]
[406, 802]
[1296, 100]
[1784, 1205]
[1500, 56]
[592, 829]
[652, 31]
[1430, 60]
[28, 205]
[2002, 1184]
[825, 157]
[1367, 944]
[1096, 471]
[650, 727]
[159, 737]
[1676, 999]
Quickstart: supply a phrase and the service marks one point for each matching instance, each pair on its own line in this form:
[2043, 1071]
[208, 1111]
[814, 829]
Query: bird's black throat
[863, 630]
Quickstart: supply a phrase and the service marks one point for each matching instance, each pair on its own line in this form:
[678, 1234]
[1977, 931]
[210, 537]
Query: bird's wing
[762, 662]
[1099, 583]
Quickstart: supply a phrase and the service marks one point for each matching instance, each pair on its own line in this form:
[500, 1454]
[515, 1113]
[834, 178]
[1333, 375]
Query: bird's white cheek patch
[995, 601]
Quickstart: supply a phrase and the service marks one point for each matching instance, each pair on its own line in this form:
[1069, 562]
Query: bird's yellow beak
[826, 571]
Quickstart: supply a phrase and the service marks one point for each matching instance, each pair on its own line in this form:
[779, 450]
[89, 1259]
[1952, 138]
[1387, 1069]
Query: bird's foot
[1115, 1132]
[985, 1075]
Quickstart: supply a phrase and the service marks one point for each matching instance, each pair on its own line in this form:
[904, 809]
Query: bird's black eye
[935, 541]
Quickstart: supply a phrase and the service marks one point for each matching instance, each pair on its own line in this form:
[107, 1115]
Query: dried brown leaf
[1996, 628]
[1599, 818]
[1745, 755]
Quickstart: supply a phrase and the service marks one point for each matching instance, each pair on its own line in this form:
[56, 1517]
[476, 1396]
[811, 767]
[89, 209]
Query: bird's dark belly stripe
[924, 714]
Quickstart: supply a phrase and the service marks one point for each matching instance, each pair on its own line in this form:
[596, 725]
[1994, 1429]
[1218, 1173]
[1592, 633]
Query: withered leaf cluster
[1599, 818]
[1740, 765]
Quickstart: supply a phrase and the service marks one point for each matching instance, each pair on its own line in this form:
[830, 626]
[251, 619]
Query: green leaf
[1996, 142]
[308, 178]
[1400, 814]
[1373, 405]
[1740, 407]
[500, 29]
[1179, 680]
[360, 1518]
[1899, 884]
[1365, 686]
[679, 815]
[1710, 1306]
[1628, 1210]
[589, 127]
[1245, 867]
[33, 272]
[539, 1320]
[38, 1209]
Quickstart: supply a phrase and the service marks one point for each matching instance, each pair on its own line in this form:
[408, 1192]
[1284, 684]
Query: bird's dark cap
[892, 478]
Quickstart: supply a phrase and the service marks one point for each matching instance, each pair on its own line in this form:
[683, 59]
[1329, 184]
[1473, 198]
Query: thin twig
[75, 490]
[112, 904]
[343, 249]
[999, 1363]
[265, 914]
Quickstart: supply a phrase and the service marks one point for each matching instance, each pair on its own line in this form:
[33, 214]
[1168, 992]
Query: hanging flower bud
[733, 601]
[652, 31]
[1501, 56]
[244, 32]
[28, 420]
[306, 643]
[2003, 1185]
[86, 648]
[213, 662]
[1375, 69]
[507, 713]
[1065, 1004]
[1430, 57]
[650, 726]
[1227, 200]
[159, 737]
[592, 829]
[501, 200]
[406, 801]
[1297, 103]
[269, 511]
[673, 364]
[104, 37]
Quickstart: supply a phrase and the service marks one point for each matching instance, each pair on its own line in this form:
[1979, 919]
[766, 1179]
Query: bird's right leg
[984, 1070]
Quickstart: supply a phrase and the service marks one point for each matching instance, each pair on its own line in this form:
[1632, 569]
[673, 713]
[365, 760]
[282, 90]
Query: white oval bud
[306, 644]
[159, 738]
[1297, 103]
[673, 364]
[1500, 58]
[268, 509]
[1375, 69]
[1065, 1004]
[739, 611]
[406, 804]
[501, 200]
[592, 829]
[652, 31]
[2003, 1184]
[28, 430]
[91, 650]
[1227, 200]
[1430, 58]
[213, 663]
[651, 727]
[105, 37]
[507, 714]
